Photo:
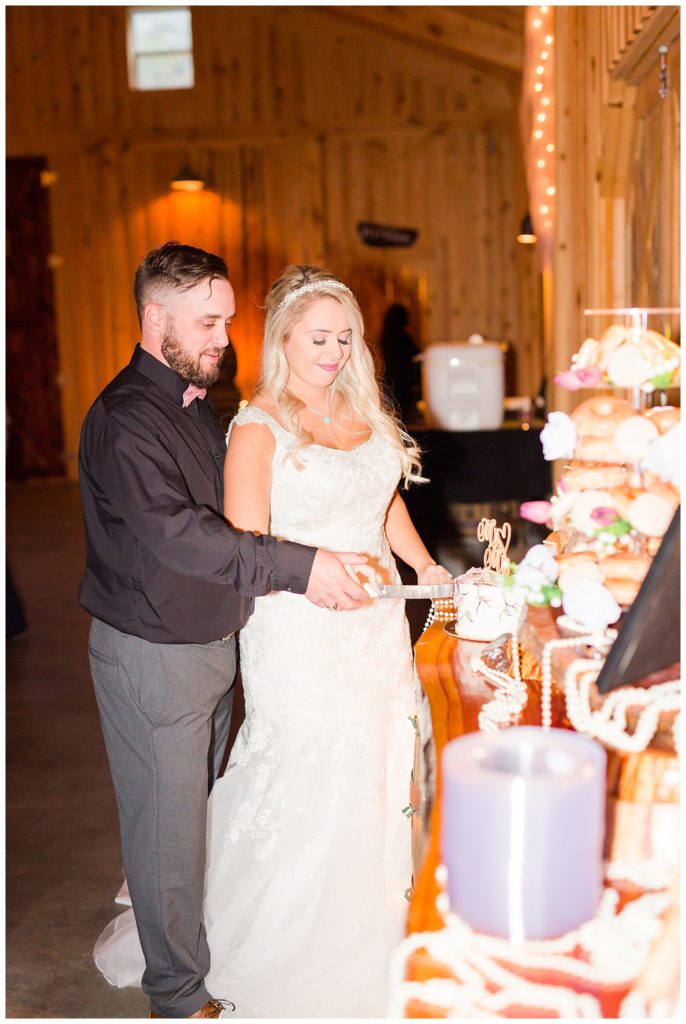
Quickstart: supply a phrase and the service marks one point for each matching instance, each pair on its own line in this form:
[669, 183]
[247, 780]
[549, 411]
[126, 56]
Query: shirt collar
[155, 370]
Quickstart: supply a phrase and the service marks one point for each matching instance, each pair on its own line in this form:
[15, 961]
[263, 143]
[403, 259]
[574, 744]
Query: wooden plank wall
[302, 124]
[618, 167]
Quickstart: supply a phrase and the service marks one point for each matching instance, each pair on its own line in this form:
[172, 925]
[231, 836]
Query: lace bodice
[339, 499]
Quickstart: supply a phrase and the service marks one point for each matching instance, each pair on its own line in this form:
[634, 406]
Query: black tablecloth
[476, 467]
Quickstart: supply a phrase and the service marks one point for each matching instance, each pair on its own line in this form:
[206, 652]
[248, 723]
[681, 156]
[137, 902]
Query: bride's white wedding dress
[309, 853]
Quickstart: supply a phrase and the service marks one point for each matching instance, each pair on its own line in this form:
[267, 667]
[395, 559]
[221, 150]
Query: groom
[168, 583]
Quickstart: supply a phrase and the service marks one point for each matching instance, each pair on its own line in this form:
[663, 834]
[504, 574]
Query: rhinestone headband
[312, 286]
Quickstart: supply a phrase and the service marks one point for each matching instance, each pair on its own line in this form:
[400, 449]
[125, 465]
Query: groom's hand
[330, 585]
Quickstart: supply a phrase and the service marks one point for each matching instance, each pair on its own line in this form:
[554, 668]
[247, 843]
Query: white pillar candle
[522, 828]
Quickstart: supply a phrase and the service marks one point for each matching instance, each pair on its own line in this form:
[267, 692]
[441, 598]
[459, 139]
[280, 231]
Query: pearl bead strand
[608, 724]
[598, 640]
[511, 694]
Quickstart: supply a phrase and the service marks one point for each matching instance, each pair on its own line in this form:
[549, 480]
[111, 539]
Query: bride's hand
[433, 573]
[369, 577]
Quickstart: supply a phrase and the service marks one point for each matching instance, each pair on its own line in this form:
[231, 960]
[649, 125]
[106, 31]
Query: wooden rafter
[458, 32]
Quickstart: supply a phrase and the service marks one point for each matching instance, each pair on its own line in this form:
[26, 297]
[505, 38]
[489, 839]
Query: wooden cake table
[642, 822]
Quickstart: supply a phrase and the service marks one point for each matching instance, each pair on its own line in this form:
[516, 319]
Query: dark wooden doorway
[34, 426]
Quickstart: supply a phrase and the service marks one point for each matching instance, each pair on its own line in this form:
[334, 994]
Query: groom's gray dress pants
[164, 710]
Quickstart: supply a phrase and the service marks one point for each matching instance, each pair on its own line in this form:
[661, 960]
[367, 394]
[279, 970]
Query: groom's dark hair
[174, 266]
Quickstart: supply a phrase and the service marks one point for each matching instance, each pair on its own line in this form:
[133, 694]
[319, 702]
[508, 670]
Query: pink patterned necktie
[192, 392]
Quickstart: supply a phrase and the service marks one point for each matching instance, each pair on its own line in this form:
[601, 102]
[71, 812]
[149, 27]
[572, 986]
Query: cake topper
[498, 538]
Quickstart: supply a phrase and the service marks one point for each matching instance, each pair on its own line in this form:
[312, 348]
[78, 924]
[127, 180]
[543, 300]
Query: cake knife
[412, 591]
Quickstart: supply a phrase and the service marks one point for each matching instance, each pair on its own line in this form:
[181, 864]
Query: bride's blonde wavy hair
[355, 387]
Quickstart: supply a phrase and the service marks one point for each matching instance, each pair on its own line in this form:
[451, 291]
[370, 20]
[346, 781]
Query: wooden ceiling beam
[448, 31]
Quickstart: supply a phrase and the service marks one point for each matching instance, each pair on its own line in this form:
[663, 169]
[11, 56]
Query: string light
[541, 174]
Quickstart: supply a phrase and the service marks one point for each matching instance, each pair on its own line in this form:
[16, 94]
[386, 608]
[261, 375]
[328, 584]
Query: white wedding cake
[485, 609]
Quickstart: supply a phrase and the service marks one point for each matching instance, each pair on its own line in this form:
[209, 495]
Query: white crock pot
[463, 384]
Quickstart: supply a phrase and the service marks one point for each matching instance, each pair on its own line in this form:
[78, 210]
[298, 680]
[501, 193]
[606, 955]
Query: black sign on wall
[383, 235]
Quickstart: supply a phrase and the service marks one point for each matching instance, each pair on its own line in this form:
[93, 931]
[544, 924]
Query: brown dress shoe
[213, 1009]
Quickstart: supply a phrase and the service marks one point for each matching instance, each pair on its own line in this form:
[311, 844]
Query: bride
[309, 856]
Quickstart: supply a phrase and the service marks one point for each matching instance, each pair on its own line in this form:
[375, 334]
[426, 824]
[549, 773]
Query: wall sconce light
[48, 178]
[187, 181]
[526, 232]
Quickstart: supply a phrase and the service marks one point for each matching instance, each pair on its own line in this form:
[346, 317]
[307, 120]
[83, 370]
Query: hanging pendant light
[526, 232]
[187, 181]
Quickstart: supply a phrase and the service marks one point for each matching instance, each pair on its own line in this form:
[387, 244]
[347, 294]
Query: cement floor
[63, 858]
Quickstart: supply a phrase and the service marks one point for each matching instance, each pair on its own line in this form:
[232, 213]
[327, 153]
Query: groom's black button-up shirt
[161, 562]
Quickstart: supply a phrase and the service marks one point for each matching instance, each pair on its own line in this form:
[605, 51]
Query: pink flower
[536, 511]
[568, 380]
[590, 376]
[604, 516]
[584, 377]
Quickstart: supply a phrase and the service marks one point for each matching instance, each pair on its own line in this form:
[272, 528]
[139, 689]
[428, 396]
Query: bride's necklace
[327, 419]
[325, 415]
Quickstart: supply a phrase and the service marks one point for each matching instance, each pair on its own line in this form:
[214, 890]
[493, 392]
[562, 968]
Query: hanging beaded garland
[441, 610]
[609, 722]
[598, 640]
[511, 694]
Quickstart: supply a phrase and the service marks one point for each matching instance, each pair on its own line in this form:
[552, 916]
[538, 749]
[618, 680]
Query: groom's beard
[185, 365]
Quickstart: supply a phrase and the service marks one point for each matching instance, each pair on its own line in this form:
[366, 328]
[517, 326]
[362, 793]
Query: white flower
[591, 604]
[539, 559]
[587, 355]
[664, 456]
[528, 576]
[559, 437]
